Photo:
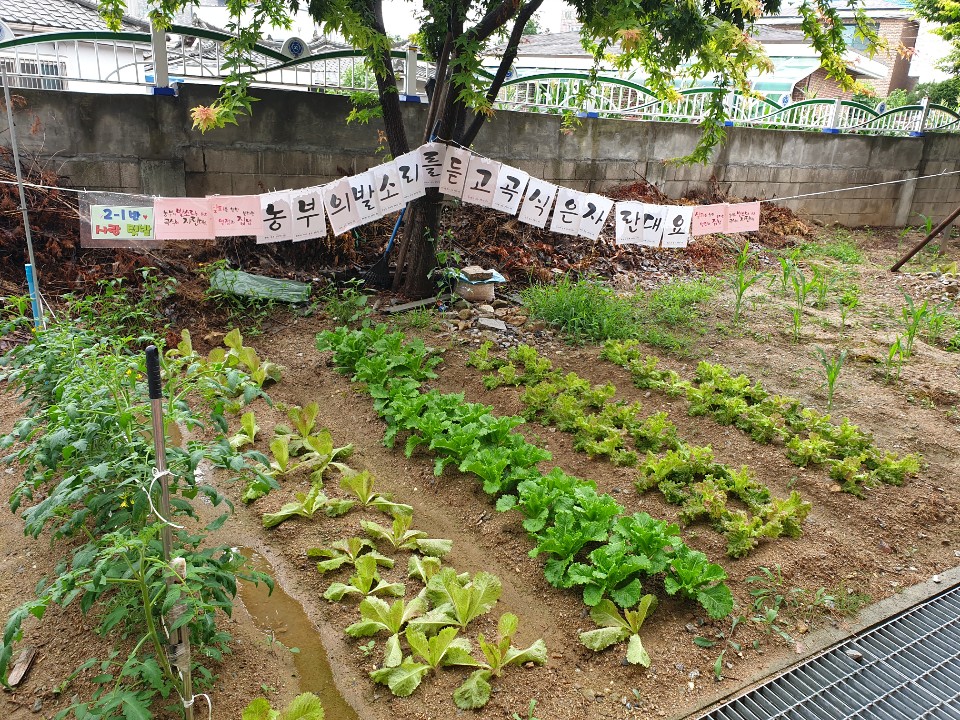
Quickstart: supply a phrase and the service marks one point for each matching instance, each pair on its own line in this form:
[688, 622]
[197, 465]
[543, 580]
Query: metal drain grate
[907, 668]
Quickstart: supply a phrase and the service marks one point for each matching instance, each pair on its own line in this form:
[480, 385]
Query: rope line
[157, 474]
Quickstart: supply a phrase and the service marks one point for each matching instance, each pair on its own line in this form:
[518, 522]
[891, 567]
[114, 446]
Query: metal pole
[158, 41]
[180, 639]
[933, 233]
[32, 275]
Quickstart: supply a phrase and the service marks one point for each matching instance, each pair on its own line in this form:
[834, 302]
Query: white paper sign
[432, 155]
[235, 215]
[594, 216]
[306, 207]
[368, 209]
[276, 216]
[455, 164]
[629, 216]
[537, 202]
[676, 226]
[386, 182]
[566, 214]
[411, 176]
[510, 186]
[652, 225]
[338, 199]
[481, 182]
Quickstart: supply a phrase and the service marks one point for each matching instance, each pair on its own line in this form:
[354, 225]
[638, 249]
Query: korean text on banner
[481, 181]
[676, 226]
[368, 209]
[455, 164]
[595, 211]
[537, 202]
[236, 215]
[307, 208]
[566, 214]
[652, 225]
[510, 186]
[338, 197]
[629, 216]
[411, 176]
[183, 219]
[108, 222]
[386, 182]
[276, 216]
[709, 219]
[743, 217]
[432, 155]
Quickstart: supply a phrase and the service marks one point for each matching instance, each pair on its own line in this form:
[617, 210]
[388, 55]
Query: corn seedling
[831, 370]
[913, 316]
[742, 279]
[849, 301]
[893, 363]
[937, 317]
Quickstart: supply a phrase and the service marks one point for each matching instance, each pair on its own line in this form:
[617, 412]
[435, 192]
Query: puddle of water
[283, 618]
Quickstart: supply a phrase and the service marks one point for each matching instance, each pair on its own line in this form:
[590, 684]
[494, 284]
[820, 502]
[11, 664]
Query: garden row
[809, 437]
[686, 475]
[588, 540]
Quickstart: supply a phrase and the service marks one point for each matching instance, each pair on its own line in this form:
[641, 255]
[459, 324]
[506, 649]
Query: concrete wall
[297, 139]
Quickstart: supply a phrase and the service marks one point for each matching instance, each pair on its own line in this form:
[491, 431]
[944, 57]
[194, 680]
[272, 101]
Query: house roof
[876, 9]
[49, 15]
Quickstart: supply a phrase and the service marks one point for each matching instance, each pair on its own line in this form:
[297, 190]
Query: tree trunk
[419, 255]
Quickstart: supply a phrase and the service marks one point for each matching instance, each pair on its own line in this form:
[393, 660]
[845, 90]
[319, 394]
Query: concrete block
[244, 184]
[535, 168]
[220, 160]
[91, 174]
[622, 171]
[763, 174]
[203, 184]
[193, 159]
[588, 170]
[164, 178]
[130, 176]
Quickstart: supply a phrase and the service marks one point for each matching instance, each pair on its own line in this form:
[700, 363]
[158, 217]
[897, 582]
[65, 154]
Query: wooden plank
[416, 304]
[22, 665]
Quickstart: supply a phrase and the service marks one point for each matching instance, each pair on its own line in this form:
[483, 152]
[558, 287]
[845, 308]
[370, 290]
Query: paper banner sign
[368, 209]
[652, 225]
[566, 213]
[481, 181]
[709, 219]
[386, 183]
[411, 176]
[595, 211]
[629, 218]
[276, 217]
[743, 217]
[455, 164]
[236, 215]
[676, 226]
[338, 199]
[183, 219]
[306, 207]
[510, 186]
[108, 222]
[431, 160]
[537, 202]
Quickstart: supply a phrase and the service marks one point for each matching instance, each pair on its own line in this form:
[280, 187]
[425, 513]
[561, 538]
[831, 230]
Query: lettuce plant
[456, 601]
[377, 616]
[305, 706]
[401, 537]
[346, 552]
[367, 581]
[693, 576]
[442, 650]
[306, 505]
[615, 628]
[361, 485]
[248, 431]
[474, 693]
[613, 571]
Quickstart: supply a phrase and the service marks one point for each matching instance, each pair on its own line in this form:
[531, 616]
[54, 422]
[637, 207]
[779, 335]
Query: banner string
[453, 142]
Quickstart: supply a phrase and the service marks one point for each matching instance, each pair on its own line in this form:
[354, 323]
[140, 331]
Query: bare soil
[896, 537]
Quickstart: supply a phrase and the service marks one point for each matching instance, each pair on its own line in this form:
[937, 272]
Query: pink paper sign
[743, 217]
[183, 219]
[235, 215]
[709, 219]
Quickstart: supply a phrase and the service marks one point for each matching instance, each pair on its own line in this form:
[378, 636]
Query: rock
[936, 579]
[498, 303]
[485, 309]
[492, 323]
[37, 705]
[588, 693]
[853, 654]
[475, 273]
[465, 314]
[694, 674]
[519, 319]
[884, 547]
[501, 312]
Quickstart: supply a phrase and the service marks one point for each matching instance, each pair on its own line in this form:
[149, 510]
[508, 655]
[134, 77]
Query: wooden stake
[933, 233]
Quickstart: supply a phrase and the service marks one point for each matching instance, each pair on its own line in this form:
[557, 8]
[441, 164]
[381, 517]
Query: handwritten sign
[481, 181]
[411, 176]
[183, 219]
[743, 217]
[365, 197]
[275, 217]
[652, 225]
[338, 198]
[386, 183]
[676, 226]
[629, 217]
[709, 219]
[108, 222]
[510, 186]
[235, 215]
[596, 208]
[432, 155]
[455, 164]
[306, 207]
[537, 202]
[566, 214]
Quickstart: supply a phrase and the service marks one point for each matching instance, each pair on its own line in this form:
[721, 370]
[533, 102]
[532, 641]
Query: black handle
[153, 373]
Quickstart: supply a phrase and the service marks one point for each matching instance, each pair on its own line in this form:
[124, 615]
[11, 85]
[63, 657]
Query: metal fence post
[833, 124]
[410, 74]
[158, 41]
[922, 120]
